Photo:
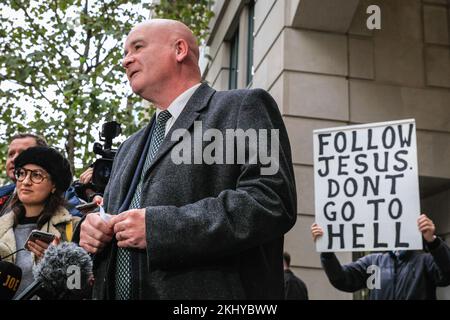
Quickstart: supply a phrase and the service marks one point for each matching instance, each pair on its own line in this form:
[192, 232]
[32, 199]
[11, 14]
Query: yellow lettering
[7, 280]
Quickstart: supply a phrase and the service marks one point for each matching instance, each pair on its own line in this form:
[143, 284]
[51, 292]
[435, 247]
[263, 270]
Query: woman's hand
[38, 247]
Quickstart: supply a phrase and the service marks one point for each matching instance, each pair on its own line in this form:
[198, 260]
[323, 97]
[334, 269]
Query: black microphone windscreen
[10, 277]
[64, 269]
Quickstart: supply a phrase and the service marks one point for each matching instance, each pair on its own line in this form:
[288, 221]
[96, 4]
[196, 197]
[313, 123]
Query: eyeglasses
[36, 176]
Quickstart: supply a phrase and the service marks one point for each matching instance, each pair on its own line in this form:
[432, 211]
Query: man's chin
[136, 89]
[141, 94]
[11, 176]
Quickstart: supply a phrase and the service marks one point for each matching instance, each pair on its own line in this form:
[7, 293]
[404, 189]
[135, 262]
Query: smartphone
[87, 206]
[40, 235]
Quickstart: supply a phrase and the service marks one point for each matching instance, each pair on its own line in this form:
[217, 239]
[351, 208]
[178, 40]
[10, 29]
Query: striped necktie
[123, 265]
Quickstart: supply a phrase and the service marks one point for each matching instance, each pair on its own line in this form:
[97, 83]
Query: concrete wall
[325, 68]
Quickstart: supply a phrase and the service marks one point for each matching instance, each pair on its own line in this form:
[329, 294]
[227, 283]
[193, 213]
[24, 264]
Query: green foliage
[62, 59]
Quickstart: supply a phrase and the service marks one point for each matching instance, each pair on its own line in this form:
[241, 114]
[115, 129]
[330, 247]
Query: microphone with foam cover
[64, 272]
[10, 277]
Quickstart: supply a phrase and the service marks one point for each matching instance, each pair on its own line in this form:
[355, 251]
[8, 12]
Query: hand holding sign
[316, 231]
[426, 226]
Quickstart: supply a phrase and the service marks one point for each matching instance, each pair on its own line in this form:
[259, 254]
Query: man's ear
[181, 50]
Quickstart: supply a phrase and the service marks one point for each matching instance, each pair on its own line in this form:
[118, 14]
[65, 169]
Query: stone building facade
[325, 68]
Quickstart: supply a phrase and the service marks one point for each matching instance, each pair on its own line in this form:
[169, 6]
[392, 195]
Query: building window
[251, 24]
[241, 48]
[234, 54]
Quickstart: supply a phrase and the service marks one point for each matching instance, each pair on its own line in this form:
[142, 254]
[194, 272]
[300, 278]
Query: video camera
[101, 167]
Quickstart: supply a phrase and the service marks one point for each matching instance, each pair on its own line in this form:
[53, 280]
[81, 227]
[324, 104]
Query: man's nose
[126, 61]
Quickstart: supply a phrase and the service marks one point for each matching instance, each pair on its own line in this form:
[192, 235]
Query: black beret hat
[52, 161]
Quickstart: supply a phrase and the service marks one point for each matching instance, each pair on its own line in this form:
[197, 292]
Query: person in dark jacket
[294, 287]
[404, 275]
[19, 143]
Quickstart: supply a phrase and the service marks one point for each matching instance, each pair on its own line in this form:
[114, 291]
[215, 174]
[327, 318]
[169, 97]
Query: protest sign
[366, 187]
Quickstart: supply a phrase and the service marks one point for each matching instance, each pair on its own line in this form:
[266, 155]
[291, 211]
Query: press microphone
[10, 276]
[64, 272]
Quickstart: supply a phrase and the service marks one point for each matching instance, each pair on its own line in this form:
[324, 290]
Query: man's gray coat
[214, 231]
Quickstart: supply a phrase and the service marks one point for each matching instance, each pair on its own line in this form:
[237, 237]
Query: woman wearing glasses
[43, 175]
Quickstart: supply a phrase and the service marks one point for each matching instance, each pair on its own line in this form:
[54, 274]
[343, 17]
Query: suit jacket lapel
[197, 102]
[131, 168]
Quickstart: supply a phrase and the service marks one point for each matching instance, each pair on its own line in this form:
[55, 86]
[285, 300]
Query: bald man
[196, 228]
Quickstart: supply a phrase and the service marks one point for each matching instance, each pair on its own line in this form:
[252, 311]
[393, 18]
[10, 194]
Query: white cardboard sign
[366, 187]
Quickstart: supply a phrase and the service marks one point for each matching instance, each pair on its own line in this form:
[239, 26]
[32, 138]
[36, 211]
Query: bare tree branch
[60, 22]
[26, 84]
[88, 37]
[37, 28]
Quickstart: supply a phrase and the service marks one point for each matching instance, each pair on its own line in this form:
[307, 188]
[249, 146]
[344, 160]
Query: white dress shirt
[177, 106]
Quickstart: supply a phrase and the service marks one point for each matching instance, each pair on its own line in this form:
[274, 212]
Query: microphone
[64, 272]
[10, 276]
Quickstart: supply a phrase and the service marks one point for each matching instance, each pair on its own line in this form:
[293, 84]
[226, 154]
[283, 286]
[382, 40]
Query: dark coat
[413, 275]
[294, 287]
[213, 231]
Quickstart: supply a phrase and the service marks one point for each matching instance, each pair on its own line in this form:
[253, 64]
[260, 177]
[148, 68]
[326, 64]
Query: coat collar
[7, 190]
[402, 255]
[6, 223]
[196, 103]
[61, 216]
